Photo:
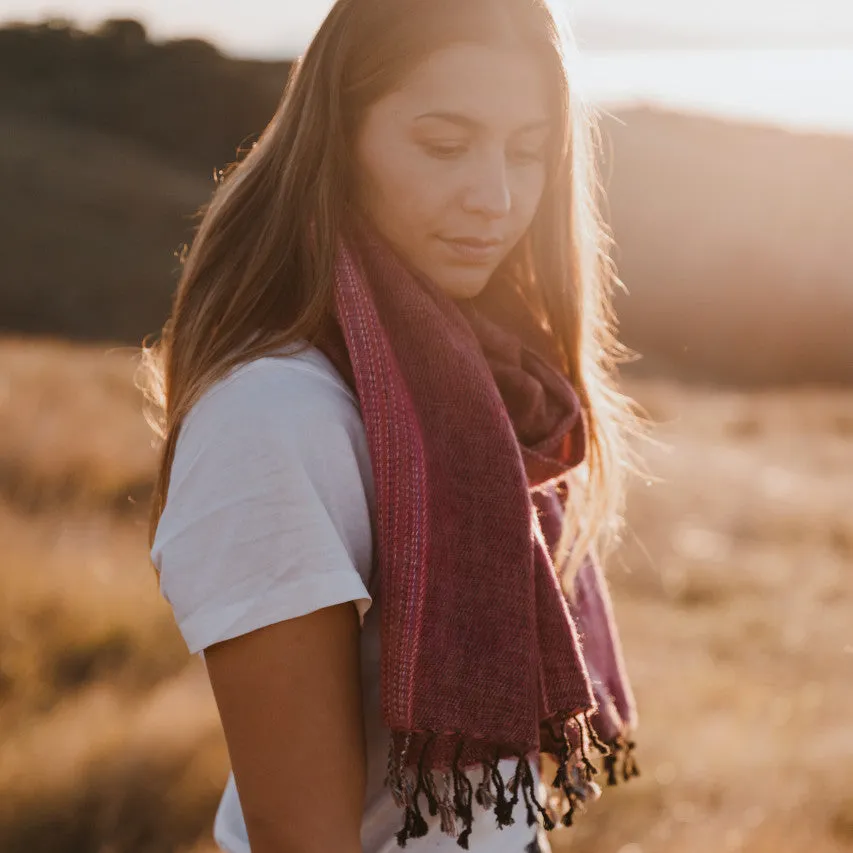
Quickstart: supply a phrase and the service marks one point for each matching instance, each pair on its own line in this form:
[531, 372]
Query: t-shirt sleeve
[267, 515]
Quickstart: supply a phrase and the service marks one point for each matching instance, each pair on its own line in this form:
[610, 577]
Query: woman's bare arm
[289, 696]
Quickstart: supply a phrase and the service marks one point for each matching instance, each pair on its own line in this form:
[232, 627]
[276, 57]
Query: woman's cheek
[530, 195]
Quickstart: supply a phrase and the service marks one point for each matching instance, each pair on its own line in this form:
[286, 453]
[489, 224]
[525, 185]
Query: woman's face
[452, 165]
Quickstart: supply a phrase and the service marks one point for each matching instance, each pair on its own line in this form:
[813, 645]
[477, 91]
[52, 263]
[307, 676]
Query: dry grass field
[734, 593]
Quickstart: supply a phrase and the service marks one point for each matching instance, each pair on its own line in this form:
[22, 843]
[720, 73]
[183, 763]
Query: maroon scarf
[615, 718]
[481, 659]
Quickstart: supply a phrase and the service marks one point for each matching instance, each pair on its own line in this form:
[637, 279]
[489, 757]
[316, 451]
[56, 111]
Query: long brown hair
[259, 275]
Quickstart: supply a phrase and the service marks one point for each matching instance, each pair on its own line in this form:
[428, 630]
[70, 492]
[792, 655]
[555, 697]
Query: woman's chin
[464, 284]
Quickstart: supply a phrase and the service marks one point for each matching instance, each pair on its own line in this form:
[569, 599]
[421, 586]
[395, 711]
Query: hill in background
[732, 239]
[107, 149]
[735, 243]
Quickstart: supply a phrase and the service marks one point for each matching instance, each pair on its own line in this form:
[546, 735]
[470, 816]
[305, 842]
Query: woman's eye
[524, 156]
[445, 152]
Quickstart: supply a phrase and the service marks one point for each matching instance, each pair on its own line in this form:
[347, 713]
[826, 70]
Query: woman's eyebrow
[469, 123]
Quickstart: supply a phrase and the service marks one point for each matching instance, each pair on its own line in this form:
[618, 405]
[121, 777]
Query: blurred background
[727, 157]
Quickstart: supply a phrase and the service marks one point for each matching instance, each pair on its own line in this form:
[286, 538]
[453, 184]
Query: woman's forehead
[477, 84]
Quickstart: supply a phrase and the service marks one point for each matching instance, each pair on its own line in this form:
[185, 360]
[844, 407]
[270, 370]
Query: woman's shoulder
[288, 389]
[275, 383]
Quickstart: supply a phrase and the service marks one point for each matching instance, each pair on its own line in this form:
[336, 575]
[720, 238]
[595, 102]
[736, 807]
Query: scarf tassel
[484, 795]
[503, 805]
[575, 772]
[463, 794]
[414, 825]
[532, 803]
[627, 767]
[454, 803]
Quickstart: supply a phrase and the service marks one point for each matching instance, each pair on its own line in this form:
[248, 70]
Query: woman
[390, 343]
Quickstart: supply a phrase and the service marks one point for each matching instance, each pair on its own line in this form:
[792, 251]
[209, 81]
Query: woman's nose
[488, 192]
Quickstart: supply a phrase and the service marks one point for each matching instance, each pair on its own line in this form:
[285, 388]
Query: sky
[283, 28]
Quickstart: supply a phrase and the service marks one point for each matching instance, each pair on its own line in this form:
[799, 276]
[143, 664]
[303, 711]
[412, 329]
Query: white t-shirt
[268, 517]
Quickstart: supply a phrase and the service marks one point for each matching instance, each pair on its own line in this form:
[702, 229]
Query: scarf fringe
[450, 793]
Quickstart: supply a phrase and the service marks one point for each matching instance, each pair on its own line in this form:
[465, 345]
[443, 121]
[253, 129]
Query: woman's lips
[473, 250]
